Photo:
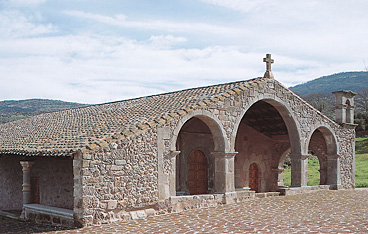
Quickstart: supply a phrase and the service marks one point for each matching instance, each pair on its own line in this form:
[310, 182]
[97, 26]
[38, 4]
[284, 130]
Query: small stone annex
[170, 152]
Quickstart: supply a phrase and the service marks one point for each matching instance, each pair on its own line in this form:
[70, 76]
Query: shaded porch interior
[40, 184]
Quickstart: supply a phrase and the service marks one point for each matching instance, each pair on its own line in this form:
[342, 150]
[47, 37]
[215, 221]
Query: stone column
[172, 176]
[224, 172]
[299, 170]
[333, 171]
[340, 113]
[26, 186]
[166, 179]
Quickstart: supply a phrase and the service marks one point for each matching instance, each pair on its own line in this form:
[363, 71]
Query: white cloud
[242, 5]
[15, 24]
[167, 41]
[90, 68]
[188, 27]
[24, 3]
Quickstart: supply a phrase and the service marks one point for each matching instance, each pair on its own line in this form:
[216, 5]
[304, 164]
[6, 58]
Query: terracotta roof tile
[64, 132]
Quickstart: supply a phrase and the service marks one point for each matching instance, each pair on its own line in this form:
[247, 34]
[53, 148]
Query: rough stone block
[85, 163]
[87, 156]
[150, 212]
[117, 168]
[120, 162]
[112, 204]
[141, 214]
[134, 214]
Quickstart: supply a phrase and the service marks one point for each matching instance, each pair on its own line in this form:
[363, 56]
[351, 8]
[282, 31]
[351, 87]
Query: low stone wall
[305, 189]
[181, 203]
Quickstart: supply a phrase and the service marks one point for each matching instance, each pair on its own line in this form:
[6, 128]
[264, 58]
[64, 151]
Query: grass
[361, 166]
[361, 170]
[361, 162]
[313, 173]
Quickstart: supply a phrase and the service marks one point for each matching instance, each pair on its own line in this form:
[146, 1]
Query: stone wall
[126, 174]
[346, 139]
[11, 178]
[56, 181]
[118, 178]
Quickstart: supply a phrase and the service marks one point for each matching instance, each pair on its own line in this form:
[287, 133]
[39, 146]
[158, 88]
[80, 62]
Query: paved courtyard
[323, 212]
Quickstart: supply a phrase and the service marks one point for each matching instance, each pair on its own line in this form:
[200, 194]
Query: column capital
[300, 156]
[332, 156]
[230, 155]
[26, 165]
[174, 153]
[278, 170]
[340, 106]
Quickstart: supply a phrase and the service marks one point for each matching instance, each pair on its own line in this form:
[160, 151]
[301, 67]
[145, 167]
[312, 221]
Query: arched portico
[202, 131]
[265, 132]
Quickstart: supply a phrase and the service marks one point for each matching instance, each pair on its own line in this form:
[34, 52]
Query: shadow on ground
[8, 225]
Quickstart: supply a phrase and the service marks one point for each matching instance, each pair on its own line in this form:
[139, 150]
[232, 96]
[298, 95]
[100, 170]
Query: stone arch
[249, 136]
[287, 115]
[214, 124]
[328, 135]
[327, 154]
[198, 130]
[349, 112]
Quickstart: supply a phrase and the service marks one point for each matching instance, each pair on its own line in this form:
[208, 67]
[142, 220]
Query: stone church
[165, 153]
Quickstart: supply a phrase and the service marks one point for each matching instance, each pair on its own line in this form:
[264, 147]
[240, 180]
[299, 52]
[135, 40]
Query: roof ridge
[172, 92]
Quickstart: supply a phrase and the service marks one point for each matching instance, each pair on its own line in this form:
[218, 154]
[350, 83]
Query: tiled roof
[64, 132]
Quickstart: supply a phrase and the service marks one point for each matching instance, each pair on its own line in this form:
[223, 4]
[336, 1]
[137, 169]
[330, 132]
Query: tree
[361, 100]
[324, 102]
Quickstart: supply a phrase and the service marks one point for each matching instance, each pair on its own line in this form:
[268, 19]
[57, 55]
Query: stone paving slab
[344, 211]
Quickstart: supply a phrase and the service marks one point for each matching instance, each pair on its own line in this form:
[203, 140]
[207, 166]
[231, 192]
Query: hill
[13, 110]
[341, 81]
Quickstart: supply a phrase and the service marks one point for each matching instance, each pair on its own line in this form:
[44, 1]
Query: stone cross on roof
[268, 61]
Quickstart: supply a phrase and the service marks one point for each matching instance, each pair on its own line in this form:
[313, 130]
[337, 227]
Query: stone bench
[48, 214]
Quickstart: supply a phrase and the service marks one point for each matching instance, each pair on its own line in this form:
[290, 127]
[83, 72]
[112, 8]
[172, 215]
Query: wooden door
[254, 177]
[197, 174]
[35, 189]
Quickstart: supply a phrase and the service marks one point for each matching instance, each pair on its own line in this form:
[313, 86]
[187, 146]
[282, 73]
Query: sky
[96, 51]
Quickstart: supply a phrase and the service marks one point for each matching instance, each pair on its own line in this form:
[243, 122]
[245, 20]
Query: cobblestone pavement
[344, 211]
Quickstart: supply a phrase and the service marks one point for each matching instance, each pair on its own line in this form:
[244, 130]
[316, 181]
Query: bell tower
[344, 108]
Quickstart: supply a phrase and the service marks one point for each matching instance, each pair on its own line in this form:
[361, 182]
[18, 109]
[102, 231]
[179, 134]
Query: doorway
[254, 177]
[197, 173]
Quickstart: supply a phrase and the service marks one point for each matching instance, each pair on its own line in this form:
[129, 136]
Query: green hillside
[340, 81]
[12, 110]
